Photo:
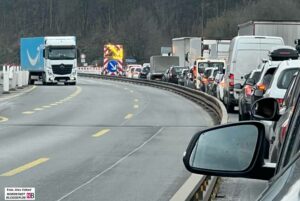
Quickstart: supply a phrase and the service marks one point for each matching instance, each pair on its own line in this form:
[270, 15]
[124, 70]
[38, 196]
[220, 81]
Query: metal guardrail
[210, 103]
[197, 187]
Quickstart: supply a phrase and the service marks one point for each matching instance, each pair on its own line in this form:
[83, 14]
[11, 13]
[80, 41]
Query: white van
[245, 54]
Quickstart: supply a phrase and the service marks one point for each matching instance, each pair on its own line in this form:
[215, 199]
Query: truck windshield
[61, 53]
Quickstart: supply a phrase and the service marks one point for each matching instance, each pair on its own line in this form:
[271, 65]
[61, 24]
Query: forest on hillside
[142, 26]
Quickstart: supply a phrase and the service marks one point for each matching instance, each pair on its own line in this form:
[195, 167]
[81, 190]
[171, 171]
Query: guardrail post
[20, 86]
[24, 78]
[27, 77]
[14, 79]
[5, 80]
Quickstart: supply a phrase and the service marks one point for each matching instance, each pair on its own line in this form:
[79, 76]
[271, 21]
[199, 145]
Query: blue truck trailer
[50, 59]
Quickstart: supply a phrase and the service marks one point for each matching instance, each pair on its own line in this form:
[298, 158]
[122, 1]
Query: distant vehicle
[188, 49]
[220, 89]
[131, 70]
[146, 65]
[245, 99]
[202, 64]
[136, 72]
[50, 59]
[218, 49]
[144, 72]
[213, 87]
[246, 52]
[288, 30]
[207, 78]
[183, 76]
[159, 64]
[172, 74]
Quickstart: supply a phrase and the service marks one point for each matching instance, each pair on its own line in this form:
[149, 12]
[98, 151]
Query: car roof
[289, 64]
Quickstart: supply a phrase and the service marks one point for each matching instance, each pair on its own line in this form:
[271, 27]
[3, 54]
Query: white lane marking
[111, 167]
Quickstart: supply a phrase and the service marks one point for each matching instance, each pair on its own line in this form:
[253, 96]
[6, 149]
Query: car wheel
[229, 106]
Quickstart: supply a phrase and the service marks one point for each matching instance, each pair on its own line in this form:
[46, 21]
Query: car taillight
[231, 80]
[261, 87]
[248, 90]
[283, 130]
[280, 101]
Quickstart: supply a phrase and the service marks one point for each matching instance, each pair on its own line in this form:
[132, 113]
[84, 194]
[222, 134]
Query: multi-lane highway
[99, 140]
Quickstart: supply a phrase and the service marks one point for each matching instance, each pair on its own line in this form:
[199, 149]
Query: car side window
[292, 140]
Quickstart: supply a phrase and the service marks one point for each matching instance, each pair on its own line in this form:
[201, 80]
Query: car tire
[229, 106]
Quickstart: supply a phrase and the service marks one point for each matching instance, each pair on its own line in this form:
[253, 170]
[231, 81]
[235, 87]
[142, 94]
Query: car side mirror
[238, 86]
[44, 54]
[232, 150]
[250, 82]
[265, 109]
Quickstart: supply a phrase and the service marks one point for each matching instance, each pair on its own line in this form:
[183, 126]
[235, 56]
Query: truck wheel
[31, 82]
[44, 79]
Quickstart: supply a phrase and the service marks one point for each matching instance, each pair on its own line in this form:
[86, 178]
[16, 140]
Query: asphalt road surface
[99, 140]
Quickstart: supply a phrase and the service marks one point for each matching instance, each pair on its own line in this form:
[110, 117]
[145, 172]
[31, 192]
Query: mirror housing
[238, 86]
[253, 168]
[265, 109]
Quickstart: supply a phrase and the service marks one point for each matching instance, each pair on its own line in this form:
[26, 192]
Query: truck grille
[62, 69]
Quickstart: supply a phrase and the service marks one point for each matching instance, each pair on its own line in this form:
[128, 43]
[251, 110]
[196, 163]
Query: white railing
[13, 77]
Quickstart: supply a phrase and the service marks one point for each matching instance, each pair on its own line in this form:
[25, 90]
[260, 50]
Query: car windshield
[61, 53]
[256, 75]
[207, 73]
[285, 78]
[138, 70]
[215, 73]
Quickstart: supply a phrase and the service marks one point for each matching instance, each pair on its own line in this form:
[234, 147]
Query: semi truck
[188, 49]
[219, 50]
[50, 59]
[159, 64]
[288, 30]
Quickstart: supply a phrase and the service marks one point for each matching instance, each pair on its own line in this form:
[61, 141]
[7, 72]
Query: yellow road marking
[53, 104]
[59, 102]
[136, 106]
[128, 116]
[136, 100]
[25, 167]
[14, 96]
[46, 106]
[101, 132]
[28, 112]
[38, 109]
[3, 119]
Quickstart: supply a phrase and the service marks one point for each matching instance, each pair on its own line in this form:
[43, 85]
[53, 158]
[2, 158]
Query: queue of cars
[267, 145]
